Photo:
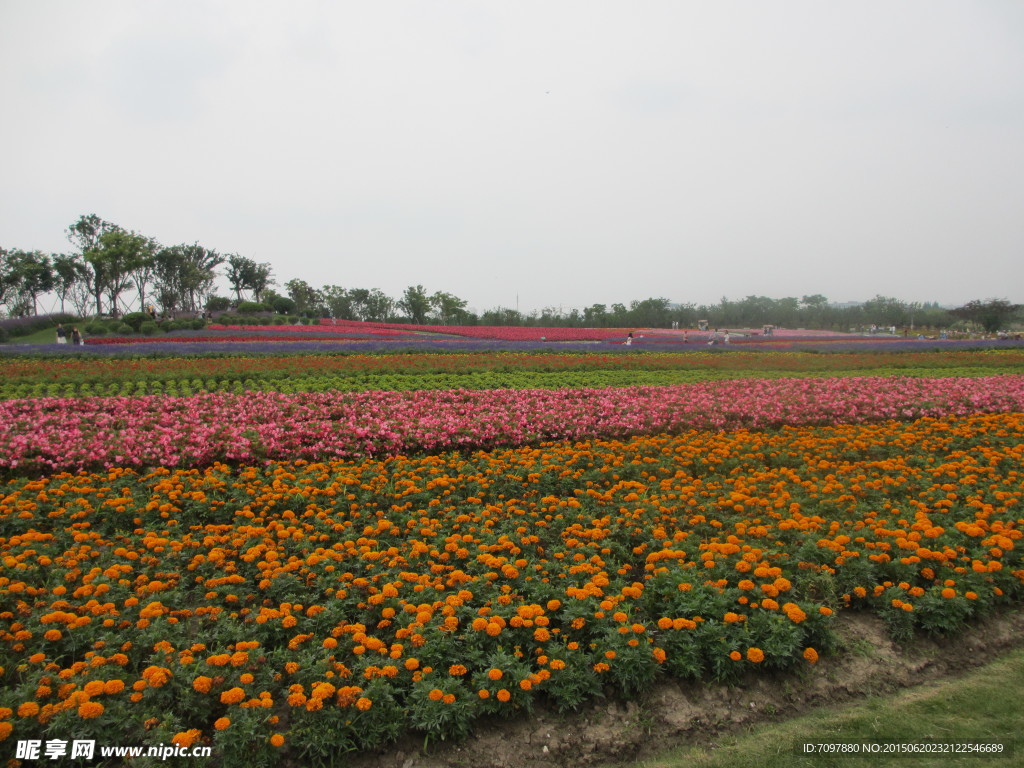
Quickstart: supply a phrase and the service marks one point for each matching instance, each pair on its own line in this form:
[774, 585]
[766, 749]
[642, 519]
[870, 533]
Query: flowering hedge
[52, 434]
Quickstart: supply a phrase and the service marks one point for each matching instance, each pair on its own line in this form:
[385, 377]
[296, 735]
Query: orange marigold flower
[222, 723]
[232, 696]
[811, 655]
[186, 738]
[735, 655]
[89, 710]
[794, 612]
[202, 684]
[363, 703]
[503, 695]
[755, 655]
[277, 740]
[436, 694]
[156, 676]
[457, 670]
[28, 709]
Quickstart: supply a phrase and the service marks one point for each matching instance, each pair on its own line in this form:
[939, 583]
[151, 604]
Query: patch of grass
[981, 707]
[45, 336]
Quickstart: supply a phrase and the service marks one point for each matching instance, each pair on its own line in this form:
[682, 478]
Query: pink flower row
[51, 434]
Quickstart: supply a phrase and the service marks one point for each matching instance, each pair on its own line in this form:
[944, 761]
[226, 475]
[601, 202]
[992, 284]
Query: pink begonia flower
[81, 433]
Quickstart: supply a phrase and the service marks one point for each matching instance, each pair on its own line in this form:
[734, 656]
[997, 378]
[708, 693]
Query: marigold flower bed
[304, 609]
[51, 434]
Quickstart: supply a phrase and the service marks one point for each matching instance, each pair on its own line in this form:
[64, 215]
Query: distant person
[725, 338]
[76, 336]
[62, 334]
[629, 338]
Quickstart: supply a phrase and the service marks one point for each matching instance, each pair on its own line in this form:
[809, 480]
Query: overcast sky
[556, 153]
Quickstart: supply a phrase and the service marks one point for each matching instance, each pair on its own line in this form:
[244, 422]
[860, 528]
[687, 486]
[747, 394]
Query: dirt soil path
[695, 713]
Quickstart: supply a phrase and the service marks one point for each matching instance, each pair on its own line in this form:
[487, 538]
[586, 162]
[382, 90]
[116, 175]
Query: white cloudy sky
[563, 152]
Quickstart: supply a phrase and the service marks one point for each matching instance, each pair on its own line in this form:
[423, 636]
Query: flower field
[280, 370]
[288, 576]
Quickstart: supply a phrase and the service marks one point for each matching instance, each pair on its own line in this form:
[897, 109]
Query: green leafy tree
[448, 309]
[378, 306]
[883, 310]
[117, 256]
[415, 304]
[244, 274]
[338, 302]
[85, 233]
[307, 298]
[199, 274]
[992, 315]
[7, 283]
[651, 313]
[30, 273]
[502, 316]
[596, 315]
[184, 276]
[68, 272]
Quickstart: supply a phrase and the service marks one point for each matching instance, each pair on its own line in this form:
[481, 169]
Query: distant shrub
[148, 328]
[283, 305]
[96, 328]
[252, 307]
[122, 329]
[4, 335]
[218, 304]
[197, 324]
[134, 320]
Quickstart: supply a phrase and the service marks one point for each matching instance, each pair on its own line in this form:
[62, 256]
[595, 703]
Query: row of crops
[180, 387]
[289, 576]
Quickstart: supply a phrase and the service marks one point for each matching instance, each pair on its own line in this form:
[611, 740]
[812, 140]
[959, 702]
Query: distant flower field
[288, 576]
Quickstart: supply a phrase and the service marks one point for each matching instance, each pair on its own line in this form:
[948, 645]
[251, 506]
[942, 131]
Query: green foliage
[282, 305]
[135, 320]
[992, 315]
[148, 328]
[96, 328]
[252, 307]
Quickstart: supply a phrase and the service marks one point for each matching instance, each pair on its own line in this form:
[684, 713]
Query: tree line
[112, 271]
